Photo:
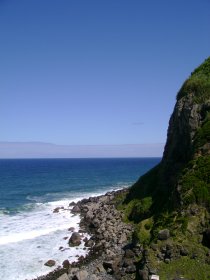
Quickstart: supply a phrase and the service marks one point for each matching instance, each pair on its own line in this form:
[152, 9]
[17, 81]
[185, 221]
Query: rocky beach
[112, 255]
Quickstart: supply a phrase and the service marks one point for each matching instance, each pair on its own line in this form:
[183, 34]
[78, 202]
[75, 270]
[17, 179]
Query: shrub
[198, 83]
[195, 182]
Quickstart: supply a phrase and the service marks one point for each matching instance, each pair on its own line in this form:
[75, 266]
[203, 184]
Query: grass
[198, 84]
[191, 269]
[195, 182]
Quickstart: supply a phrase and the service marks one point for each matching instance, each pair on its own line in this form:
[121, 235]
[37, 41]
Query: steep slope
[175, 195]
[188, 138]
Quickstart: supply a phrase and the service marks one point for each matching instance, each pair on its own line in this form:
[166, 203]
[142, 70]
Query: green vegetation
[198, 84]
[142, 231]
[195, 182]
[174, 196]
[186, 268]
[203, 134]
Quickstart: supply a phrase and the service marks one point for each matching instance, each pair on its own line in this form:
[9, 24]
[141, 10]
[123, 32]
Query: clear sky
[96, 72]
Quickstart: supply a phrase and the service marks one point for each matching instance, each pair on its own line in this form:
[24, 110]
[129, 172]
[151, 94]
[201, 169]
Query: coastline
[111, 252]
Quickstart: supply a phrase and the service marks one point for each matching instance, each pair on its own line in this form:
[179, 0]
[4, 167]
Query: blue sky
[96, 72]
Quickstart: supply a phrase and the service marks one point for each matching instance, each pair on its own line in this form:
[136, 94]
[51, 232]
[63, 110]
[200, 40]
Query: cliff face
[170, 204]
[188, 139]
[184, 122]
[190, 114]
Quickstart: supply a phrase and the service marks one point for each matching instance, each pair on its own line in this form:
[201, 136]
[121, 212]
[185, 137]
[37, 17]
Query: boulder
[71, 229]
[163, 234]
[81, 258]
[89, 243]
[80, 275]
[72, 203]
[63, 277]
[131, 269]
[143, 274]
[127, 262]
[50, 263]
[75, 239]
[129, 253]
[75, 209]
[66, 264]
[56, 210]
[85, 239]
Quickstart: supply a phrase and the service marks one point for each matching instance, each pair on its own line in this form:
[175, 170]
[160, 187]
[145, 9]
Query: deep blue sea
[30, 189]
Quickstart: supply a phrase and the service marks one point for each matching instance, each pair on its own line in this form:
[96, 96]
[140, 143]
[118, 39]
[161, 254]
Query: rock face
[175, 195]
[188, 139]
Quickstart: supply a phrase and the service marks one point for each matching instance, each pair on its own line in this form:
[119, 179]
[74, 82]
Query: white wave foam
[21, 236]
[29, 239]
[35, 235]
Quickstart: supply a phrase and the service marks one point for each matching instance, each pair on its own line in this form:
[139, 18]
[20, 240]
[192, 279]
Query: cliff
[174, 197]
[188, 139]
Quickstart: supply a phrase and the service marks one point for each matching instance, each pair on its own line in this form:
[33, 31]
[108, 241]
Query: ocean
[30, 189]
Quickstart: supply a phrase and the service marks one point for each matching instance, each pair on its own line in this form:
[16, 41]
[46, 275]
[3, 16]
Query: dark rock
[81, 258]
[75, 239]
[71, 229]
[160, 256]
[145, 253]
[50, 263]
[154, 247]
[72, 203]
[85, 239]
[56, 210]
[129, 253]
[194, 256]
[131, 269]
[163, 234]
[127, 262]
[168, 254]
[184, 252]
[89, 243]
[206, 238]
[75, 209]
[66, 264]
[143, 274]
[107, 264]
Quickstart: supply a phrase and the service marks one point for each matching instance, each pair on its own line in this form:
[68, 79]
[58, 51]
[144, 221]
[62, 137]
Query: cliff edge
[170, 205]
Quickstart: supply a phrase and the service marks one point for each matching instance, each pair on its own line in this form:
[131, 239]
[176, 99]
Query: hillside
[170, 205]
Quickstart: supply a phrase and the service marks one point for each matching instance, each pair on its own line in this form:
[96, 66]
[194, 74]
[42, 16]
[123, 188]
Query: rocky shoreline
[112, 255]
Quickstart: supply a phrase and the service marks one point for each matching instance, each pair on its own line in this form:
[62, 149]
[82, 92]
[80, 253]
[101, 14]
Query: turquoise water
[30, 189]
